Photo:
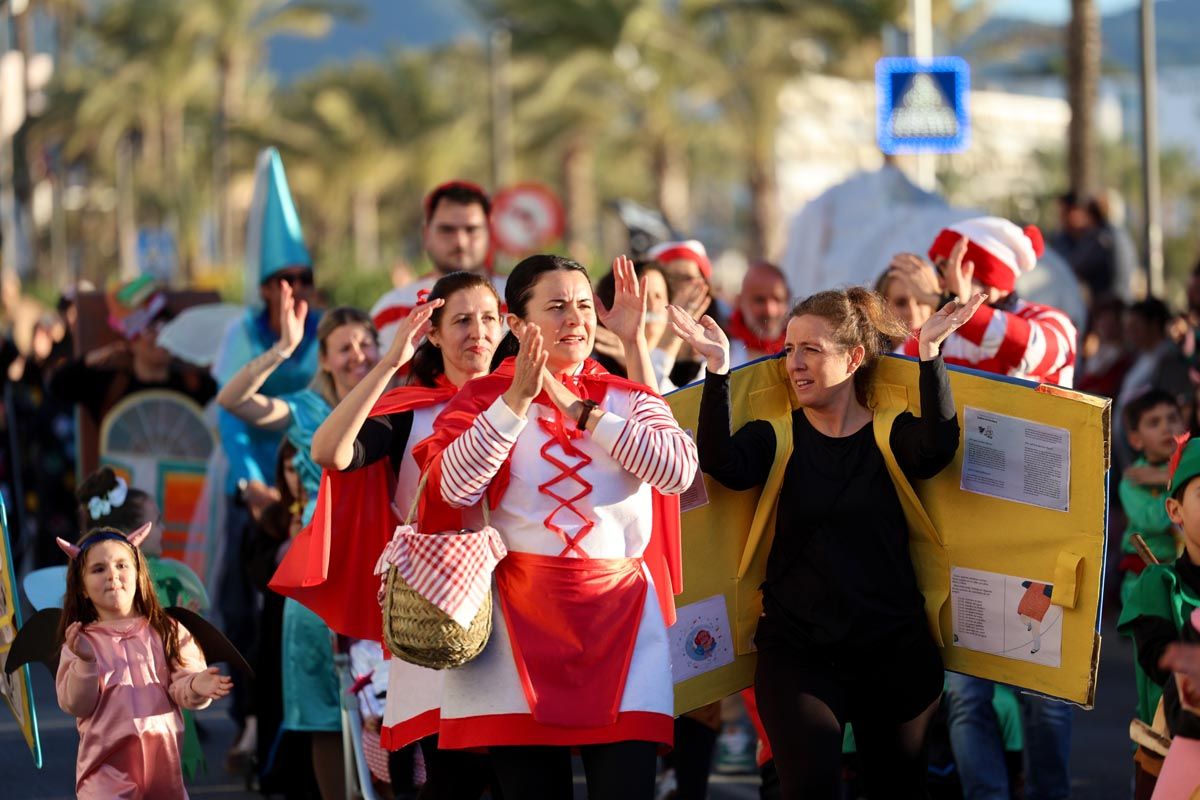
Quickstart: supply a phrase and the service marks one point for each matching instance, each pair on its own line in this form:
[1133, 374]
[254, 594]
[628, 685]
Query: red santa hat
[689, 250]
[1000, 250]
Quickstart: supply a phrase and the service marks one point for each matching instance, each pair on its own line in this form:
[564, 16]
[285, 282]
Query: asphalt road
[1100, 755]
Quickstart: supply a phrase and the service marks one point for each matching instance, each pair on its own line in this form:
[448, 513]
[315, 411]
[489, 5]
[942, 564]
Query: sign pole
[1151, 199]
[920, 46]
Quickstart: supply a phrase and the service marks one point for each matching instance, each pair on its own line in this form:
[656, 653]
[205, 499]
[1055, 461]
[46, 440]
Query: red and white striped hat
[688, 250]
[1000, 250]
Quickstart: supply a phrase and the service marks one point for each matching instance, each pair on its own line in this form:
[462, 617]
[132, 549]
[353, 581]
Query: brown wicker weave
[419, 632]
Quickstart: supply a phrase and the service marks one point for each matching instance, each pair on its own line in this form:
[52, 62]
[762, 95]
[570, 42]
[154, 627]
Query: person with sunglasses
[276, 258]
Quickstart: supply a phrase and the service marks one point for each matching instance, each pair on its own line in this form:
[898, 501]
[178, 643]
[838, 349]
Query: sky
[1050, 10]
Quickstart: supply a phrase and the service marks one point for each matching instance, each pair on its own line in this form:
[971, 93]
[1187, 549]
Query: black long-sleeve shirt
[385, 435]
[839, 568]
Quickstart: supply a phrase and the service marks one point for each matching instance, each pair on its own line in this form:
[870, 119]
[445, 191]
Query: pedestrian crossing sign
[922, 104]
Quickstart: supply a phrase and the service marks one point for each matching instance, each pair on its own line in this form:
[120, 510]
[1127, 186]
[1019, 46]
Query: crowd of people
[532, 403]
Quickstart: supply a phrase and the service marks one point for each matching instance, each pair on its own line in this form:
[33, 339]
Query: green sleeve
[1152, 595]
[1147, 513]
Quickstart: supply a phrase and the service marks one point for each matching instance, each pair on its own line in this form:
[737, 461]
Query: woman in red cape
[580, 469]
[364, 446]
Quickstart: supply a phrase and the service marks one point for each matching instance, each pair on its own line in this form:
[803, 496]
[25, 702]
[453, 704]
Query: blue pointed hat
[274, 238]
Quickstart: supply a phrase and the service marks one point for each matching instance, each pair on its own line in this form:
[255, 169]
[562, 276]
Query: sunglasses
[294, 278]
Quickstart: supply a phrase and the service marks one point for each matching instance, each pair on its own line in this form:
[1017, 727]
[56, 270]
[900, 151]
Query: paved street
[1100, 751]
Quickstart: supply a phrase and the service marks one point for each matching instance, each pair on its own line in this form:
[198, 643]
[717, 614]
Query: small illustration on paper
[1006, 615]
[701, 638]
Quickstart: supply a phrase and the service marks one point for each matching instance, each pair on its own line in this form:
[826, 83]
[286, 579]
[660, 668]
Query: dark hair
[606, 287]
[518, 290]
[859, 317]
[427, 363]
[287, 451]
[1142, 404]
[332, 320]
[127, 517]
[1152, 311]
[462, 192]
[78, 607]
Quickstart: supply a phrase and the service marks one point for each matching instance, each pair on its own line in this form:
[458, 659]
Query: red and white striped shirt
[1031, 341]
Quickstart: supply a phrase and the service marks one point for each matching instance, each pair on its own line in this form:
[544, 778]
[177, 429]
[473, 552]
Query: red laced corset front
[649, 445]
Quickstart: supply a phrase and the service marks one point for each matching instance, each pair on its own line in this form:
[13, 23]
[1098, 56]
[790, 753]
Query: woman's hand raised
[292, 314]
[627, 317]
[530, 366]
[944, 322]
[704, 337]
[409, 333]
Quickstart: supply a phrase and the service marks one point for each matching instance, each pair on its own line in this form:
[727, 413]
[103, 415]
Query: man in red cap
[456, 235]
[1008, 335]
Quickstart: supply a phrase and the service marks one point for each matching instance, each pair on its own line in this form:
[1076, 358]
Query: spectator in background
[1105, 355]
[134, 363]
[1086, 241]
[689, 279]
[457, 237]
[759, 321]
[907, 305]
[1158, 364]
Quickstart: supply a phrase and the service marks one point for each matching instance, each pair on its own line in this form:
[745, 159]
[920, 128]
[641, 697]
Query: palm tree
[1083, 77]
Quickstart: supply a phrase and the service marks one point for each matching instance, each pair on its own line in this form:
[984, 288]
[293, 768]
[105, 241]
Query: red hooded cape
[353, 518]
[662, 554]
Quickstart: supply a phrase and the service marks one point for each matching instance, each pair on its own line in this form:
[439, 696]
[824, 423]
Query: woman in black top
[843, 636]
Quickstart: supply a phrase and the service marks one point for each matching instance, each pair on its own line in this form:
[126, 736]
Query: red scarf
[739, 330]
[662, 554]
[353, 518]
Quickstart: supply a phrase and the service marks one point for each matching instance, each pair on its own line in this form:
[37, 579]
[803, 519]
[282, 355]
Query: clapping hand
[944, 322]
[627, 317]
[292, 315]
[211, 685]
[705, 337]
[410, 332]
[530, 369]
[77, 642]
[957, 273]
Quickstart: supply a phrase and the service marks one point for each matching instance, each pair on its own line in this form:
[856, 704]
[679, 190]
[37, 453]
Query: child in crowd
[125, 670]
[1152, 422]
[1165, 595]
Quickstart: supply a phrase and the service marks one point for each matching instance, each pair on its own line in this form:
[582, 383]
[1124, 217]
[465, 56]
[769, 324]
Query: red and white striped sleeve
[1035, 341]
[473, 459]
[649, 444]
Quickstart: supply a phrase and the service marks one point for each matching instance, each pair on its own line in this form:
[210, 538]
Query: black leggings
[455, 774]
[616, 771]
[804, 710]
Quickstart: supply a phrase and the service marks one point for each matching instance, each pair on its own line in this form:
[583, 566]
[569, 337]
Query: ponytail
[859, 318]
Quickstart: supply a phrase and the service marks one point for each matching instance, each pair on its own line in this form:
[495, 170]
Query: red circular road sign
[525, 218]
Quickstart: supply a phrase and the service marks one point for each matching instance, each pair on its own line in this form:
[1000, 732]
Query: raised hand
[705, 337]
[410, 332]
[944, 322]
[919, 275]
[77, 643]
[530, 370]
[627, 317]
[957, 273]
[211, 684]
[292, 314]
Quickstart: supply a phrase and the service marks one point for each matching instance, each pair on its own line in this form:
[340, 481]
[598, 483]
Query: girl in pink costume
[125, 670]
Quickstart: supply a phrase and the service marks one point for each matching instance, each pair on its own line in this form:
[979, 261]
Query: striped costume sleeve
[1034, 341]
[649, 444]
[473, 459]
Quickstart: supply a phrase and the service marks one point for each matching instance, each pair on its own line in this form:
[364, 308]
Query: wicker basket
[417, 631]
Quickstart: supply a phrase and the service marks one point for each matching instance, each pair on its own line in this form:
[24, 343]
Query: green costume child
[1165, 595]
[1153, 422]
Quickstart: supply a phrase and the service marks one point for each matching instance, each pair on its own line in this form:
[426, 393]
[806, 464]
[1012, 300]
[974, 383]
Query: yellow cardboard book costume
[1032, 518]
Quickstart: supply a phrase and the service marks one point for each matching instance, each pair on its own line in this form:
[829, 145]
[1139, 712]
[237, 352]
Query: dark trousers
[616, 771]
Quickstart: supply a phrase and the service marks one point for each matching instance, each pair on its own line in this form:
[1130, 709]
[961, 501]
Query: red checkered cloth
[453, 571]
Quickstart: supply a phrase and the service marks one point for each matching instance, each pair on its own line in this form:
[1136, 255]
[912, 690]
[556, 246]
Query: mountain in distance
[379, 26]
[1007, 46]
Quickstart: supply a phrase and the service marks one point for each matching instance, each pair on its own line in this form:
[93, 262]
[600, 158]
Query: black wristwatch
[588, 407]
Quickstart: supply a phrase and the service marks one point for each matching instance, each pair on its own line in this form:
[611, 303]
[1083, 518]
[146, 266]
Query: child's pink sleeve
[191, 663]
[77, 684]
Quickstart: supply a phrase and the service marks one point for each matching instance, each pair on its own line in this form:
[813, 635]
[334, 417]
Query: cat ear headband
[135, 539]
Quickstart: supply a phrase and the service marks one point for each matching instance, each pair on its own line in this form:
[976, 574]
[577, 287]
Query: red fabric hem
[393, 737]
[521, 729]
